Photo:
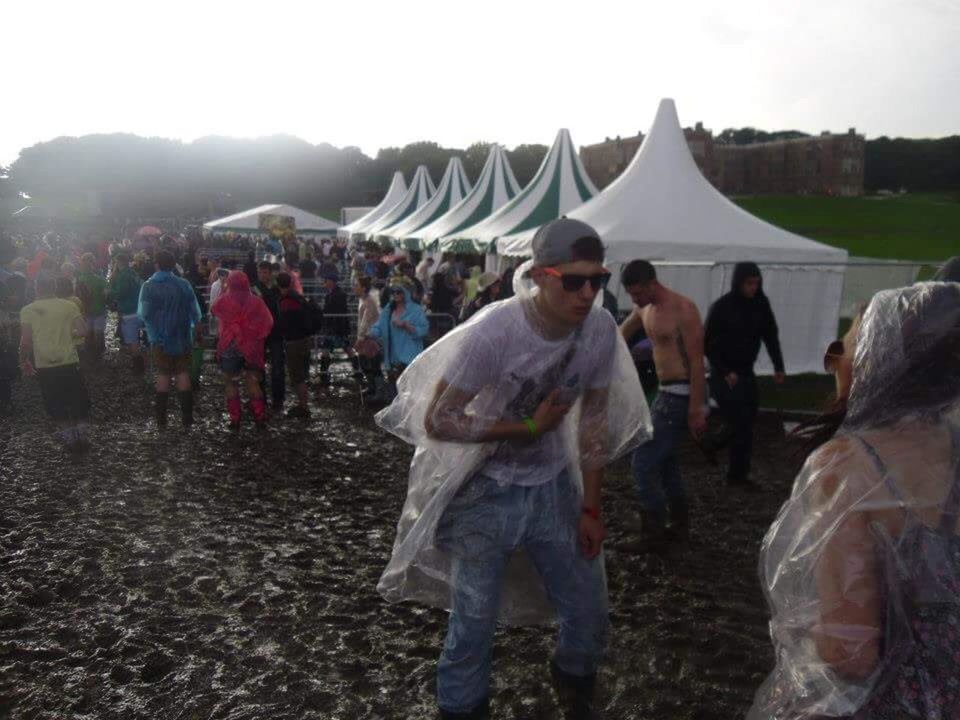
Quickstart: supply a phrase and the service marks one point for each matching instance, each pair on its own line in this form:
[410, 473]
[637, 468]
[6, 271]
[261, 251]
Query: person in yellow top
[65, 291]
[48, 328]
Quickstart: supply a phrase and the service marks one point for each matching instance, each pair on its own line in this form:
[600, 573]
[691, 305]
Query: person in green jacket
[124, 291]
[92, 290]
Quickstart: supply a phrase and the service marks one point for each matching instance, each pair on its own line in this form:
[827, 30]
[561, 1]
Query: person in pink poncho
[245, 322]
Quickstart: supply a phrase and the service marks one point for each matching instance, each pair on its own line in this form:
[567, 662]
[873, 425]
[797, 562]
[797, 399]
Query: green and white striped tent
[495, 186]
[560, 185]
[454, 185]
[396, 191]
[418, 194]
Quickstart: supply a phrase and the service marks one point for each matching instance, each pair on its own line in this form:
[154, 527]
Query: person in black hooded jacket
[736, 325]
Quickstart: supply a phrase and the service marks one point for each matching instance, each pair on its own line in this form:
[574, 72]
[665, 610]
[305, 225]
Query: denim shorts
[130, 326]
[232, 362]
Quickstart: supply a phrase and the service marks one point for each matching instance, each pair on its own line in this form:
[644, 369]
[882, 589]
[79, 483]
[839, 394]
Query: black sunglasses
[573, 283]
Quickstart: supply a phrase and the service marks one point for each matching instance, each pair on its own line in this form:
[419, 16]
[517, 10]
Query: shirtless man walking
[672, 325]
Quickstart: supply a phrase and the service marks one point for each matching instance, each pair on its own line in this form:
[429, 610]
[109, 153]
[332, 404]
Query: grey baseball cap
[553, 242]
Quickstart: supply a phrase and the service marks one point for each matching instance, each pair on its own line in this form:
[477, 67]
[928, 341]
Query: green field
[907, 227]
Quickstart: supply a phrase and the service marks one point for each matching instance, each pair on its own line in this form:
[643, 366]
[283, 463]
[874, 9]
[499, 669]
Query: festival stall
[263, 219]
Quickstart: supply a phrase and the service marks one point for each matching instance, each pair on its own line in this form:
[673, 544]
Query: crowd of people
[523, 409]
[175, 297]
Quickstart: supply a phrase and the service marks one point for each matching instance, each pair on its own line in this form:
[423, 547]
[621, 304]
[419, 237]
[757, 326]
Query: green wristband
[531, 426]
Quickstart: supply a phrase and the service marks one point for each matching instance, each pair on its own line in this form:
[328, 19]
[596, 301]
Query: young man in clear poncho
[862, 566]
[515, 414]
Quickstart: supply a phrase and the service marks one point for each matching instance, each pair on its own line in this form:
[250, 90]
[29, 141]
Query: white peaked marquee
[395, 193]
[561, 184]
[248, 221]
[453, 187]
[495, 187]
[418, 194]
[662, 209]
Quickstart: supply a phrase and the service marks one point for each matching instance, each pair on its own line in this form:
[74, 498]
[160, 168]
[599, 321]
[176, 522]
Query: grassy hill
[907, 227]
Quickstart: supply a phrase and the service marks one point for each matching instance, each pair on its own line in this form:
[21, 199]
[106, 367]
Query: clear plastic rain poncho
[493, 367]
[862, 566]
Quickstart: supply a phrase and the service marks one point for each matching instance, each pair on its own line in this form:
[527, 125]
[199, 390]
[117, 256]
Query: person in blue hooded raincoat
[170, 312]
[402, 328]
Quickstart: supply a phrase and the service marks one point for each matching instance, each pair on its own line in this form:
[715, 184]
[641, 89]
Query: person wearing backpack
[296, 328]
[862, 566]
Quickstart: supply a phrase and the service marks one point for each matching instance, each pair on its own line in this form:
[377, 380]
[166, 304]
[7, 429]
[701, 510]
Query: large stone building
[827, 164]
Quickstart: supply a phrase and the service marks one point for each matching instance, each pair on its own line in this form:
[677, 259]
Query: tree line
[131, 176]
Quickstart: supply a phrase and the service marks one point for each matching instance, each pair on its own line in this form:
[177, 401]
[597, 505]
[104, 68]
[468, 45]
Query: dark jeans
[739, 406]
[278, 370]
[656, 470]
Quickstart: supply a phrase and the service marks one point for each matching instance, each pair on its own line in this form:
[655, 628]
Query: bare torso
[662, 325]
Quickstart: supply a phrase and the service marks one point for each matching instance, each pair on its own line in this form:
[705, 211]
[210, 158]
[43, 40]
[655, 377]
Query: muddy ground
[232, 576]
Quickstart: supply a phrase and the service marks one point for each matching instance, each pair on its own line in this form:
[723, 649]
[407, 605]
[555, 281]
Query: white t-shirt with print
[502, 349]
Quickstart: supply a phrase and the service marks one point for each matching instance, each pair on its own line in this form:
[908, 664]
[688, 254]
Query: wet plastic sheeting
[593, 434]
[862, 566]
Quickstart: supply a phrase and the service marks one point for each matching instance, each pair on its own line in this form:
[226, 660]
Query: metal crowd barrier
[440, 325]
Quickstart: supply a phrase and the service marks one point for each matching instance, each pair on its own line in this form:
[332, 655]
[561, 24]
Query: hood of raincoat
[907, 359]
[245, 320]
[830, 548]
[743, 271]
[419, 570]
[399, 346]
[169, 310]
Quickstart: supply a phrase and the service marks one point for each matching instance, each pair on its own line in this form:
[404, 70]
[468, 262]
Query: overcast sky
[375, 74]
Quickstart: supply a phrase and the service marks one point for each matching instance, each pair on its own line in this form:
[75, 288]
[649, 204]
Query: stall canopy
[495, 186]
[418, 194]
[251, 221]
[662, 209]
[560, 185]
[454, 185]
[395, 193]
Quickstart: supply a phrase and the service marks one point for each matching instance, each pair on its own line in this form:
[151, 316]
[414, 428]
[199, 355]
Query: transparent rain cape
[861, 568]
[590, 436]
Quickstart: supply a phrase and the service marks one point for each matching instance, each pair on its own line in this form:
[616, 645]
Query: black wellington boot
[574, 693]
[160, 406]
[480, 712]
[186, 407]
[679, 528]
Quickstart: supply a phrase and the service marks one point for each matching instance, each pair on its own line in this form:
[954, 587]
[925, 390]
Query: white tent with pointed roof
[248, 221]
[495, 187]
[418, 194]
[662, 209]
[561, 184]
[396, 191]
[453, 186]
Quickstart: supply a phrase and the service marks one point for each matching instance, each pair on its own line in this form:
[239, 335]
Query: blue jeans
[658, 457]
[481, 528]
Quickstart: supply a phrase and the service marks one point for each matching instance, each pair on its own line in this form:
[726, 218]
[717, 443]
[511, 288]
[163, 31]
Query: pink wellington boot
[259, 409]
